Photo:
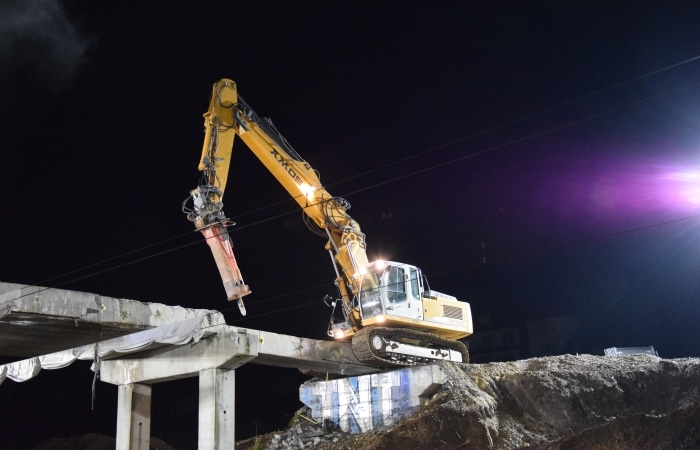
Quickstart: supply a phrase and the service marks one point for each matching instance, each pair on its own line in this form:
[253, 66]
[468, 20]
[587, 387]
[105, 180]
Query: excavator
[386, 309]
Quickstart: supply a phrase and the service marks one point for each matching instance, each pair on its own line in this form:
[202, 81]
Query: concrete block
[371, 402]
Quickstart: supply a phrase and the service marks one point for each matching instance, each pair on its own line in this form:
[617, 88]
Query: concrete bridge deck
[36, 320]
[136, 344]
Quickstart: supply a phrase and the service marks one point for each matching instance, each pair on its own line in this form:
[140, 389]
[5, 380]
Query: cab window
[396, 288]
[370, 298]
[415, 289]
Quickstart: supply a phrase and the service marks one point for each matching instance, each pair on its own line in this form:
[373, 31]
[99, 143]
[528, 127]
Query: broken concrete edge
[178, 333]
[94, 308]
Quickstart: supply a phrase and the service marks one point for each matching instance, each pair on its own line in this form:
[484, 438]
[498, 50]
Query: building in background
[514, 339]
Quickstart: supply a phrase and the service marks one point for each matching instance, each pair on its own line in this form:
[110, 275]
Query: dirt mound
[564, 402]
[678, 430]
[92, 441]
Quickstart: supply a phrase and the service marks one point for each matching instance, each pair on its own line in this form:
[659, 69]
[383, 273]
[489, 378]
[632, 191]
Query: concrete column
[134, 417]
[217, 391]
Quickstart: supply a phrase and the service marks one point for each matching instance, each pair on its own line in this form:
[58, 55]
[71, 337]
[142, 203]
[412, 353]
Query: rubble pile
[305, 433]
[552, 403]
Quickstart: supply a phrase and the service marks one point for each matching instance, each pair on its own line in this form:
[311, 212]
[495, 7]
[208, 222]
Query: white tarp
[179, 333]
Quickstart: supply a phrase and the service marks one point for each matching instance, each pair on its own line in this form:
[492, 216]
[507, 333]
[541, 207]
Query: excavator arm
[229, 116]
[206, 211]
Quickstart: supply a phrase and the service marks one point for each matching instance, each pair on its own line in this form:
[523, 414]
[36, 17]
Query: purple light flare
[620, 189]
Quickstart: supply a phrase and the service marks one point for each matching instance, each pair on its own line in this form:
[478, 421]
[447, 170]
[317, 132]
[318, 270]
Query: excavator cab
[391, 288]
[394, 294]
[399, 319]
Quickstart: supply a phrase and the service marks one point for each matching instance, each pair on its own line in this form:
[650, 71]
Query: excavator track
[382, 347]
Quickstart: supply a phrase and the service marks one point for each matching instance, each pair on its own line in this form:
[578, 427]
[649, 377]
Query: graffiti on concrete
[368, 402]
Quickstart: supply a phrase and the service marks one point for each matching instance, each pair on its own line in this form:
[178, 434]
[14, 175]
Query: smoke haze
[39, 46]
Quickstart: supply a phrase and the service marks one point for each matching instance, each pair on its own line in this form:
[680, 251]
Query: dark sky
[556, 141]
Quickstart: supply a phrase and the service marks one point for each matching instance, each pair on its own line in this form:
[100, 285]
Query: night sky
[535, 159]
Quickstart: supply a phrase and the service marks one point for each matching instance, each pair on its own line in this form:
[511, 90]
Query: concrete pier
[134, 417]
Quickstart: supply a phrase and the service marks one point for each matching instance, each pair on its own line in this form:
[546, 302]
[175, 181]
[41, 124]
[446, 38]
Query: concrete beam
[322, 356]
[227, 350]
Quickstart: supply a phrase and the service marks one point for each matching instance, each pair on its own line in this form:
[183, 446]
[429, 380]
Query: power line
[104, 261]
[506, 124]
[413, 173]
[489, 149]
[553, 247]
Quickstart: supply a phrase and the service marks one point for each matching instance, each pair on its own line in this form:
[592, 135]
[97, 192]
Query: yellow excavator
[389, 313]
